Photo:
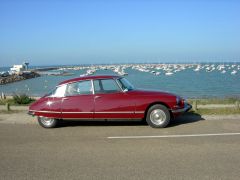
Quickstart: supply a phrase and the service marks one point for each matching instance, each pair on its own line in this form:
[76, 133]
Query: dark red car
[106, 97]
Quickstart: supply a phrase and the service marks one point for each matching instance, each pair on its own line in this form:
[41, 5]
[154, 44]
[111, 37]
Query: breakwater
[18, 77]
[45, 69]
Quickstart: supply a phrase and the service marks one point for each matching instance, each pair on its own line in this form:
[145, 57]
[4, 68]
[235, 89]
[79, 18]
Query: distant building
[26, 65]
[16, 69]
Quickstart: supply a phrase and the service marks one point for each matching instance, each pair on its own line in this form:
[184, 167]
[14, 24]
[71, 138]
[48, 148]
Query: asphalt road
[82, 150]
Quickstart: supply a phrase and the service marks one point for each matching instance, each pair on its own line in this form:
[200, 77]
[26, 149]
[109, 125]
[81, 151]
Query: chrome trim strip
[44, 111]
[77, 112]
[116, 80]
[88, 79]
[30, 113]
[116, 112]
[107, 112]
[93, 88]
[139, 112]
[77, 118]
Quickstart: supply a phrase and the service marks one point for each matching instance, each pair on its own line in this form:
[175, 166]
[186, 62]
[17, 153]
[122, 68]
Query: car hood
[147, 92]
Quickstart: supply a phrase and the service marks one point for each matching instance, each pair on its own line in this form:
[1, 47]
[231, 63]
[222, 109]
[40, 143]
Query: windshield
[125, 84]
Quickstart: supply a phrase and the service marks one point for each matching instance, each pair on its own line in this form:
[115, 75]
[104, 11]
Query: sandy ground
[17, 118]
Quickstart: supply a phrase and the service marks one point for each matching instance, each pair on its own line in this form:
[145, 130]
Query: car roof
[89, 78]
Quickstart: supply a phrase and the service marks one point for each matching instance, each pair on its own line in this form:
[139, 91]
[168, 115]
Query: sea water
[187, 83]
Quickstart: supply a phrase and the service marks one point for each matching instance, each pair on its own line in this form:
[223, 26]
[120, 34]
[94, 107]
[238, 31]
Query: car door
[111, 102]
[78, 101]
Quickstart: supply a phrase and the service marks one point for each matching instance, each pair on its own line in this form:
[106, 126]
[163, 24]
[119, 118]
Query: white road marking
[173, 136]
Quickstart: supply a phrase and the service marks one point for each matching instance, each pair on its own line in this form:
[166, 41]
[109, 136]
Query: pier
[18, 77]
[45, 69]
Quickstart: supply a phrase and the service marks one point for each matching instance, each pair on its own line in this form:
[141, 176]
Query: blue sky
[77, 32]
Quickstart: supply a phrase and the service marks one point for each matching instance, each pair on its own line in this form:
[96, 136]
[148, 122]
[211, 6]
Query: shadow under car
[189, 117]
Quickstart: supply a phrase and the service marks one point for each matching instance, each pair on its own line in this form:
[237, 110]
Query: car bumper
[31, 113]
[186, 108]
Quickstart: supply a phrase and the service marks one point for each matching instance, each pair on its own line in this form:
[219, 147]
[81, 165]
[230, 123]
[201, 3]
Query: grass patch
[4, 101]
[214, 101]
[18, 100]
[11, 111]
[217, 111]
[22, 99]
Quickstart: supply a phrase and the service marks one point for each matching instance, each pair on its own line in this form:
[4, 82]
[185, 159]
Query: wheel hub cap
[47, 121]
[158, 116]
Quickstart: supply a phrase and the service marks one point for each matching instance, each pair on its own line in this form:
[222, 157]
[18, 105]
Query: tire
[47, 122]
[158, 116]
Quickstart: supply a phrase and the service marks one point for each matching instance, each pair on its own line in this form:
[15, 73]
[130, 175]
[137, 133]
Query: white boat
[197, 68]
[168, 73]
[234, 72]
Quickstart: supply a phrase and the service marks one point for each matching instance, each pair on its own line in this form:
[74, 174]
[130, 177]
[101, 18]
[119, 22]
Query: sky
[126, 31]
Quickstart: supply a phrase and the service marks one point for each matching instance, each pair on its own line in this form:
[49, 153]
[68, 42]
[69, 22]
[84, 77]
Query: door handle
[96, 97]
[64, 99]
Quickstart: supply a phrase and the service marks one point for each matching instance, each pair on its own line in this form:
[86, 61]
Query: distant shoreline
[124, 63]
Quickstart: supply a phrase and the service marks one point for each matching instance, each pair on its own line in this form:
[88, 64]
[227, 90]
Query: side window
[106, 86]
[97, 86]
[79, 88]
[59, 91]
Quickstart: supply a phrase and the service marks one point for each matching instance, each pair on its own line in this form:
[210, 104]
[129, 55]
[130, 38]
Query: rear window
[58, 92]
[79, 88]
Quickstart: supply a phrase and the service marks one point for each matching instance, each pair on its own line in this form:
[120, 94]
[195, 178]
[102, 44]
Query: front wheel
[158, 116]
[47, 122]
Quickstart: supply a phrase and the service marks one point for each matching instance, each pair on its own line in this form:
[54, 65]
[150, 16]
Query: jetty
[45, 69]
[17, 73]
[18, 77]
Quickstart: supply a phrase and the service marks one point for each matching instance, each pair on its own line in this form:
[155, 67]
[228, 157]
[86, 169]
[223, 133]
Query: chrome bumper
[31, 113]
[186, 108]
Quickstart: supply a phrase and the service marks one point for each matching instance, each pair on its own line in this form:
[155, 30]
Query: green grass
[18, 101]
[217, 111]
[214, 101]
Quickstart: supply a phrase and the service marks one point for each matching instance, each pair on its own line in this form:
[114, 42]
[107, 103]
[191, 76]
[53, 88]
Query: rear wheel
[158, 116]
[47, 122]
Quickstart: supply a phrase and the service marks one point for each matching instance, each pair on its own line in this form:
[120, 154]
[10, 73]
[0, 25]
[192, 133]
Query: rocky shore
[18, 77]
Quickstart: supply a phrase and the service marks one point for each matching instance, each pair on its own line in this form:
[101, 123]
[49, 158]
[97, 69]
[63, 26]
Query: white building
[18, 68]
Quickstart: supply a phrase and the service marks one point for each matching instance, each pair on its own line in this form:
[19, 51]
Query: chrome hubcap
[158, 116]
[46, 121]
